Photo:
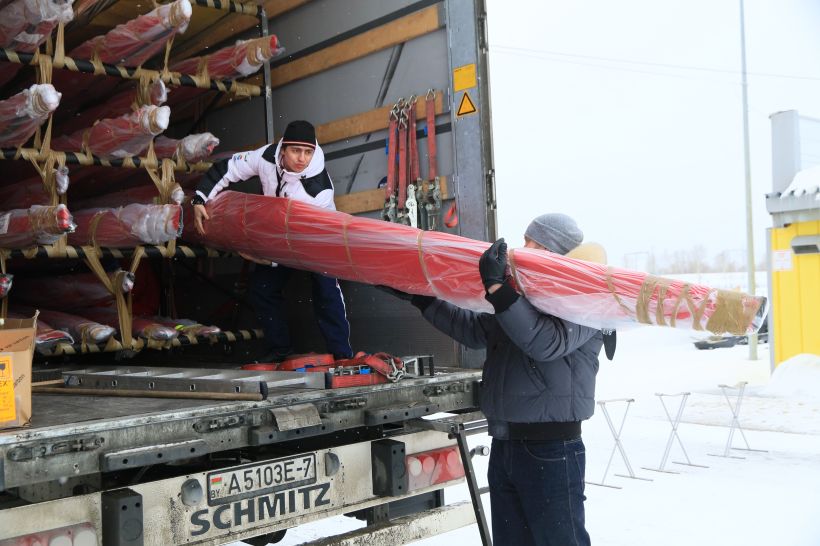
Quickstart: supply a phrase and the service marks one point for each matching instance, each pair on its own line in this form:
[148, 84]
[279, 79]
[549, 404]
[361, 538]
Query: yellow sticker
[466, 106]
[8, 410]
[464, 77]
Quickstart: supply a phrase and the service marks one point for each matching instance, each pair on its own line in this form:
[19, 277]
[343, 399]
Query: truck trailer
[247, 455]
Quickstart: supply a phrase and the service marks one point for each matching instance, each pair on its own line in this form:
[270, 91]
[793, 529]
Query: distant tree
[725, 262]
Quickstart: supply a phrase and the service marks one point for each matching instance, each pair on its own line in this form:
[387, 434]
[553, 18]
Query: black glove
[395, 293]
[493, 264]
[419, 301]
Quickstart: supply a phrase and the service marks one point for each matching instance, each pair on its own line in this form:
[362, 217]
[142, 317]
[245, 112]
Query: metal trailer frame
[63, 469]
[184, 508]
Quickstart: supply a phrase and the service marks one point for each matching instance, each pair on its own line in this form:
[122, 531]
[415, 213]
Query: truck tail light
[74, 535]
[433, 467]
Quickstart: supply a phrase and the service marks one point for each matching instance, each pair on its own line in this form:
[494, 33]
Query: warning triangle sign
[466, 106]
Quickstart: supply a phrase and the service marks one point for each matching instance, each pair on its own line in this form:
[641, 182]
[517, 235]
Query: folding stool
[741, 388]
[618, 444]
[674, 434]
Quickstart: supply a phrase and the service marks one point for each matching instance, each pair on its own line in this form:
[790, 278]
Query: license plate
[257, 479]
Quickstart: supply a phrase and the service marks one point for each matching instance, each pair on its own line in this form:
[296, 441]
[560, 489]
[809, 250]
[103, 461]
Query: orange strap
[306, 361]
[432, 171]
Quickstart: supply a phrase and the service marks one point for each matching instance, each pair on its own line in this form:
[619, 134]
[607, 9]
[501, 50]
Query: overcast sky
[627, 115]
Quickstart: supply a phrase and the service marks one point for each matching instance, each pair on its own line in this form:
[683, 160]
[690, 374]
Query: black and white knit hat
[299, 133]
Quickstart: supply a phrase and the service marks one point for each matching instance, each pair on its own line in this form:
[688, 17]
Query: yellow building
[794, 241]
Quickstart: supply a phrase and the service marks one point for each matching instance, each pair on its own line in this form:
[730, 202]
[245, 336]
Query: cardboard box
[16, 351]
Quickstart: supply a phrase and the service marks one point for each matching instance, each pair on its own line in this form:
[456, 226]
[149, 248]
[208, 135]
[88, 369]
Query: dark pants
[537, 492]
[266, 288]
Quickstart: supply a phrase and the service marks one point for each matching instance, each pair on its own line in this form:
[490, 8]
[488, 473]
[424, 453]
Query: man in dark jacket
[294, 168]
[538, 385]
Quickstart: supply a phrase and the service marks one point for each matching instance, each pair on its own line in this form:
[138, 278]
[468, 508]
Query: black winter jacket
[539, 368]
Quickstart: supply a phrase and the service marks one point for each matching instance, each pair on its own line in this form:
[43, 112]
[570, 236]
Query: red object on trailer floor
[354, 380]
[361, 370]
[446, 266]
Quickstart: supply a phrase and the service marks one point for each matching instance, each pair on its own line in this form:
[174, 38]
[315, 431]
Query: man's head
[298, 145]
[555, 232]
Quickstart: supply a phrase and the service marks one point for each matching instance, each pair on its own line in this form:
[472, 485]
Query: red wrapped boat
[23, 194]
[117, 138]
[25, 24]
[192, 148]
[6, 280]
[22, 114]
[120, 104]
[240, 60]
[136, 41]
[446, 266]
[142, 327]
[67, 292]
[46, 336]
[145, 194]
[80, 328]
[127, 226]
[37, 225]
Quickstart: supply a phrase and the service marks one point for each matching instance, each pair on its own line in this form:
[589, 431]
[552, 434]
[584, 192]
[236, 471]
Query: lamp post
[750, 251]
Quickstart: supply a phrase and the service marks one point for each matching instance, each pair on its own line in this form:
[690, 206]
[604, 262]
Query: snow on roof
[806, 181]
[798, 376]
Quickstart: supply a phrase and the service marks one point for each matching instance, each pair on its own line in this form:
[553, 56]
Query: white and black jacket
[313, 185]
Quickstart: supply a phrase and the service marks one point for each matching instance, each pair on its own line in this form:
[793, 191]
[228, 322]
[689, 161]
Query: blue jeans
[537, 492]
[266, 286]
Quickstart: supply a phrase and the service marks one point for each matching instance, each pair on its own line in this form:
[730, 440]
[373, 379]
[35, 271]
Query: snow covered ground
[765, 498]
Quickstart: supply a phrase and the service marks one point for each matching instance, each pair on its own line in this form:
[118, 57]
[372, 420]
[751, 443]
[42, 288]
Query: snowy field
[764, 498]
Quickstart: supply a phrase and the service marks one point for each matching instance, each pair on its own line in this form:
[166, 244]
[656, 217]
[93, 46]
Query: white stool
[741, 388]
[674, 434]
[618, 445]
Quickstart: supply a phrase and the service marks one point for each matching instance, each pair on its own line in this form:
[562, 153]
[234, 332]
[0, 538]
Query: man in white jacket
[294, 168]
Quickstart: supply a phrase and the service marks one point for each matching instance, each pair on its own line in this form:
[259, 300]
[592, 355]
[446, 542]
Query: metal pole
[472, 485]
[266, 88]
[750, 243]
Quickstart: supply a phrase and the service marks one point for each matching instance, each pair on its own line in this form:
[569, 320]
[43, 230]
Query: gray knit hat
[556, 232]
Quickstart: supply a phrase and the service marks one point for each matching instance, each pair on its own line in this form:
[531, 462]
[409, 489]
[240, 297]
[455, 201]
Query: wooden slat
[363, 123]
[368, 122]
[226, 27]
[372, 200]
[396, 32]
[360, 201]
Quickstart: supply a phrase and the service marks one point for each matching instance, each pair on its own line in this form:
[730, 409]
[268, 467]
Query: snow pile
[799, 376]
